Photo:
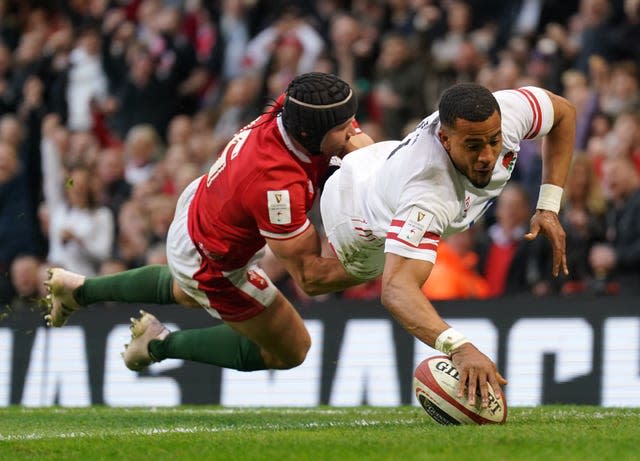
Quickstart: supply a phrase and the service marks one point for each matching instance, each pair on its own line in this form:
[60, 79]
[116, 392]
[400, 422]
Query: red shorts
[235, 295]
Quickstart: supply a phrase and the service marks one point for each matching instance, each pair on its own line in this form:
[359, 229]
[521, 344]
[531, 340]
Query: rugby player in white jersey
[387, 207]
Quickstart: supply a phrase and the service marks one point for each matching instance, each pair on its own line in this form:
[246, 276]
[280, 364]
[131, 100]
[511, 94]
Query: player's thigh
[182, 297]
[278, 330]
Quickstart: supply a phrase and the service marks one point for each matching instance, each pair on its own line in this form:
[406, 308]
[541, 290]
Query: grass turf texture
[367, 433]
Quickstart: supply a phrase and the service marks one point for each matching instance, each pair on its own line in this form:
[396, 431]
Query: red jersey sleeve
[279, 207]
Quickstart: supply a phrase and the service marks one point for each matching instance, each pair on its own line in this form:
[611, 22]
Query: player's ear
[444, 138]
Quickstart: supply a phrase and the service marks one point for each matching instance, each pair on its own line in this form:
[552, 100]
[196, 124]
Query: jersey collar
[289, 143]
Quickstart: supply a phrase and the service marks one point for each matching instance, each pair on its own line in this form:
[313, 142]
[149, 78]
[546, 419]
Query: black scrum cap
[315, 103]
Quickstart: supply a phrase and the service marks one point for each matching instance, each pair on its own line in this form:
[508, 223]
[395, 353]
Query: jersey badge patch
[415, 226]
[509, 161]
[257, 280]
[279, 205]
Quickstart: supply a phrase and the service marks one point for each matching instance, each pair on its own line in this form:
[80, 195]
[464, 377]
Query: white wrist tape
[549, 198]
[449, 340]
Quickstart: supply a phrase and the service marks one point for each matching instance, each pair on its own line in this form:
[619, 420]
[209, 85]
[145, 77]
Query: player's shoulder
[522, 98]
[368, 154]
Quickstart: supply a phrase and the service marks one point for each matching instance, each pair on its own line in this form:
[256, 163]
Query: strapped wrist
[449, 340]
[549, 198]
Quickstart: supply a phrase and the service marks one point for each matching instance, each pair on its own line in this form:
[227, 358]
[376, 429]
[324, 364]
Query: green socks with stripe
[148, 284]
[219, 345]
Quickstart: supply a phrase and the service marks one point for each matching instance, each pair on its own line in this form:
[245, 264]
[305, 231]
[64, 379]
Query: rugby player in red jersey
[257, 192]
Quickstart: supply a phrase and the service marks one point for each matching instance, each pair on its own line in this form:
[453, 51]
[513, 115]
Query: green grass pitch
[277, 434]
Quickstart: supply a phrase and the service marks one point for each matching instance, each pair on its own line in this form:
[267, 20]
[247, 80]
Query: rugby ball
[435, 382]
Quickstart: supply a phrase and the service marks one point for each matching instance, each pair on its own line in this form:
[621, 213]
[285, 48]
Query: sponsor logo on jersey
[257, 280]
[279, 204]
[415, 226]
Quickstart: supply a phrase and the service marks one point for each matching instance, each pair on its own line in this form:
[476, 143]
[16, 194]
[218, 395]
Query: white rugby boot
[60, 301]
[144, 330]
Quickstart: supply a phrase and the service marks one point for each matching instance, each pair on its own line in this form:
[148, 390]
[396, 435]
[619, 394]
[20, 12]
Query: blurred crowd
[109, 108]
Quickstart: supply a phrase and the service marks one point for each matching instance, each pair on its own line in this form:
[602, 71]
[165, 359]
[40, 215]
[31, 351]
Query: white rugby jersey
[402, 197]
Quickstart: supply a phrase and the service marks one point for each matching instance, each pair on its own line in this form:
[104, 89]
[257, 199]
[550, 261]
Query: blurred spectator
[142, 149]
[233, 39]
[86, 79]
[283, 64]
[80, 231]
[623, 89]
[236, 108]
[111, 187]
[623, 139]
[618, 259]
[585, 100]
[455, 274]
[289, 26]
[166, 170]
[459, 52]
[352, 49]
[28, 60]
[134, 234]
[589, 28]
[118, 36]
[160, 209]
[202, 150]
[179, 130]
[398, 85]
[143, 98]
[583, 217]
[624, 38]
[7, 98]
[25, 278]
[508, 262]
[16, 221]
[195, 71]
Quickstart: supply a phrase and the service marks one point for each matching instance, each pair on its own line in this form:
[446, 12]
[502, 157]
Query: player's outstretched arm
[315, 274]
[401, 295]
[557, 150]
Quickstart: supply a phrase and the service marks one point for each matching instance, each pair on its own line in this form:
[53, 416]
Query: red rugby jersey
[260, 186]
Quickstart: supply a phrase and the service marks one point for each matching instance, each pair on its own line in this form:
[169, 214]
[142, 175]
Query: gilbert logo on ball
[435, 382]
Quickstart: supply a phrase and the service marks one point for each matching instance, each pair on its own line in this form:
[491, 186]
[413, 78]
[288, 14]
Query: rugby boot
[60, 301]
[143, 330]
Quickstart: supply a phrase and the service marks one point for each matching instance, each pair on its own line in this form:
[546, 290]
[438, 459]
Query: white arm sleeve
[527, 113]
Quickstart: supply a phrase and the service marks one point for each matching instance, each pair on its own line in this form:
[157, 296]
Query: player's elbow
[308, 282]
[310, 286]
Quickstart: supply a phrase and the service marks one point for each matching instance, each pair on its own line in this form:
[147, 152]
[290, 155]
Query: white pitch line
[202, 429]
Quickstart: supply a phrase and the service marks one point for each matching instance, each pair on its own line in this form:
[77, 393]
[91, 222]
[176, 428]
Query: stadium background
[110, 107]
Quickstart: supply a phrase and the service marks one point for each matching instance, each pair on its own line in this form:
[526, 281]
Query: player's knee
[296, 355]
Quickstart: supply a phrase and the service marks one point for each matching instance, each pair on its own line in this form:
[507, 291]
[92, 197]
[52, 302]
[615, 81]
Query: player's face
[336, 139]
[474, 147]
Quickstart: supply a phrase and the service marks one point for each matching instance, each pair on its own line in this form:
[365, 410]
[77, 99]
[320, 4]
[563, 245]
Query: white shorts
[235, 295]
[359, 250]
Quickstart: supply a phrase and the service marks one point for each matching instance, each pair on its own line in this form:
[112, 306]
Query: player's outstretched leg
[136, 354]
[68, 291]
[60, 301]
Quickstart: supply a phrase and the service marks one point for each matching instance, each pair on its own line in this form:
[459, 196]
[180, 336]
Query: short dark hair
[468, 101]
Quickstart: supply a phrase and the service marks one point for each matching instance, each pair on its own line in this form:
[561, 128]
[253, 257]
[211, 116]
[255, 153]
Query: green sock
[148, 284]
[219, 345]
